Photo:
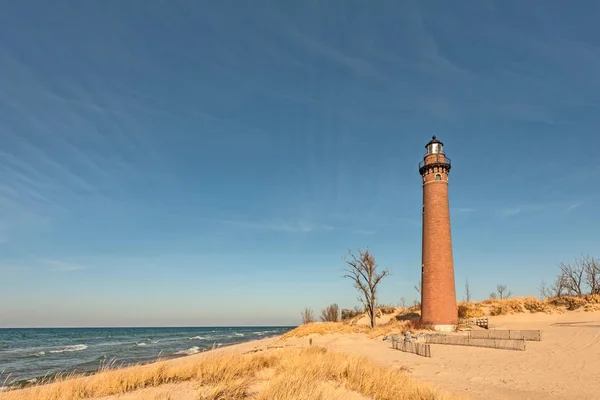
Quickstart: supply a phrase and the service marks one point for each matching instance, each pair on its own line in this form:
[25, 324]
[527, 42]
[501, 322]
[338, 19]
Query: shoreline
[32, 355]
[78, 374]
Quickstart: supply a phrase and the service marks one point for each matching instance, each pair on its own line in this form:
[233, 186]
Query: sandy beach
[563, 365]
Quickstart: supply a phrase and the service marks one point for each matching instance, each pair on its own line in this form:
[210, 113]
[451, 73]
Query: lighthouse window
[438, 177]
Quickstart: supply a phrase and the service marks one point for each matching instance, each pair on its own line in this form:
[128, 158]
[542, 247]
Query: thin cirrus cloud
[463, 210]
[300, 226]
[510, 212]
[62, 266]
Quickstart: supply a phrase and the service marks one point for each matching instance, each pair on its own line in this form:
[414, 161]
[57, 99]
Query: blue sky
[202, 163]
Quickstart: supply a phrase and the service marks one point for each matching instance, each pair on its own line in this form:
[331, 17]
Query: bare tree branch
[558, 287]
[545, 290]
[402, 302]
[418, 287]
[330, 313]
[572, 278]
[591, 267]
[362, 270]
[503, 293]
[307, 316]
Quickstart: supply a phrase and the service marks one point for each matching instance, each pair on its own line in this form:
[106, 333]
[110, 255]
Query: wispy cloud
[278, 225]
[57, 265]
[462, 210]
[300, 226]
[355, 63]
[573, 206]
[510, 212]
[555, 207]
[363, 231]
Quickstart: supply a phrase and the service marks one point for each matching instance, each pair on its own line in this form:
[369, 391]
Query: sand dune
[564, 365]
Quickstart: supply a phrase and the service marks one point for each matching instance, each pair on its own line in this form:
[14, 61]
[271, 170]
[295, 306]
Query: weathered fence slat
[532, 335]
[420, 349]
[505, 344]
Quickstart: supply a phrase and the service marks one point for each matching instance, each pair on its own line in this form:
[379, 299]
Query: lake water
[32, 353]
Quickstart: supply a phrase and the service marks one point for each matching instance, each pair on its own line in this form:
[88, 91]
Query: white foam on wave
[142, 344]
[190, 351]
[196, 338]
[39, 353]
[76, 347]
[238, 334]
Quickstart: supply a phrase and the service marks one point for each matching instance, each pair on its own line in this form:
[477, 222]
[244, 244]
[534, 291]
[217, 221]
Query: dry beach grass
[289, 373]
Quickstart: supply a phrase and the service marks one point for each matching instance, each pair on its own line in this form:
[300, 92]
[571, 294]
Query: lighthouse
[438, 291]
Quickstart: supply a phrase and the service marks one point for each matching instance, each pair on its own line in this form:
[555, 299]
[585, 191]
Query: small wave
[238, 334]
[39, 353]
[190, 351]
[77, 347]
[196, 338]
[142, 344]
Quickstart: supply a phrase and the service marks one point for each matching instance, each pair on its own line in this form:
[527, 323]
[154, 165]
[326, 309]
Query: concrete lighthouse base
[444, 328]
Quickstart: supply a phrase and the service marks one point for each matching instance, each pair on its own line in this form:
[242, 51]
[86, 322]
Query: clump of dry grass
[229, 389]
[212, 370]
[507, 306]
[590, 302]
[304, 374]
[391, 327]
[517, 305]
[298, 373]
[387, 310]
[535, 305]
[470, 310]
[325, 328]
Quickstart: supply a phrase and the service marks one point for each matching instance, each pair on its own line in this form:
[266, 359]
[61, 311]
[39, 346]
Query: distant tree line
[578, 278]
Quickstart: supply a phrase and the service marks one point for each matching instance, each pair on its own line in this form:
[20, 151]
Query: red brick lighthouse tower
[438, 292]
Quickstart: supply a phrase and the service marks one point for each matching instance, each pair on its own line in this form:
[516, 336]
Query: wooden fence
[420, 349]
[505, 344]
[532, 335]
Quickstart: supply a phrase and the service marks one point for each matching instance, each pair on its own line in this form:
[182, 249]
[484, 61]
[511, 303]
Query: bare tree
[545, 290]
[558, 288]
[591, 267]
[573, 277]
[307, 316]
[493, 296]
[331, 313]
[467, 291]
[418, 287]
[402, 302]
[363, 272]
[503, 293]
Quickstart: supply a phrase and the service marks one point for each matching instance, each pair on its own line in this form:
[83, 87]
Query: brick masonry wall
[438, 292]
